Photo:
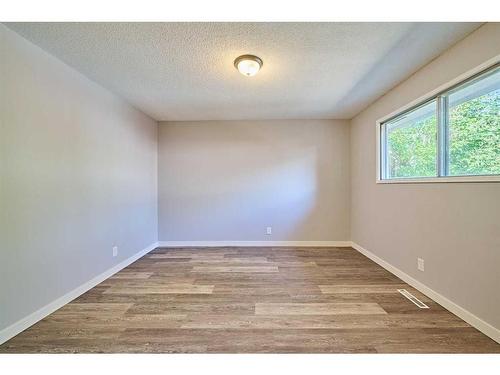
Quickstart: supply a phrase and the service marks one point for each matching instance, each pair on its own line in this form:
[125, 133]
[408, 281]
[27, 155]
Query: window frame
[440, 94]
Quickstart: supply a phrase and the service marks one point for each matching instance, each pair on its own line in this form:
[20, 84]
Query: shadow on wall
[229, 181]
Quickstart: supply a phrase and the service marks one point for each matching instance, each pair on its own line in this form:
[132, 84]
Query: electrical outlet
[420, 264]
[269, 230]
[115, 251]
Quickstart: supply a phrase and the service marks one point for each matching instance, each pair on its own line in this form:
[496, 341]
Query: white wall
[229, 180]
[78, 175]
[455, 227]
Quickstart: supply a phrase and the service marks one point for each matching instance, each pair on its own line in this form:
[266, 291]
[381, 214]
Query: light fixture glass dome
[248, 65]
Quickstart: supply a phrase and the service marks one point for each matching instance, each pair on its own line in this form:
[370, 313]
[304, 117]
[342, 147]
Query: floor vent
[412, 298]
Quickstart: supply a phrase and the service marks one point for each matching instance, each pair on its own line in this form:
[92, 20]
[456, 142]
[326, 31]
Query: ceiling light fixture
[248, 65]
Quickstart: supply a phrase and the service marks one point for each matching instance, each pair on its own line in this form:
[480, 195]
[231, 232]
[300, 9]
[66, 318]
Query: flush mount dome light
[248, 65]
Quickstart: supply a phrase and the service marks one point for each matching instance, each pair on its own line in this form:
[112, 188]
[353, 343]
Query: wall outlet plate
[269, 230]
[115, 251]
[420, 264]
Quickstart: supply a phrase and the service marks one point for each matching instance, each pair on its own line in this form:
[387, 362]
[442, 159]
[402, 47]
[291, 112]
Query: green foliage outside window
[475, 136]
[474, 141]
[412, 149]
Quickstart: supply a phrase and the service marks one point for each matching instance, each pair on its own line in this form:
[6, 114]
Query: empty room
[250, 187]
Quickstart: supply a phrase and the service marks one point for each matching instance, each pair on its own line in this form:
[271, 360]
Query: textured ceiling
[184, 71]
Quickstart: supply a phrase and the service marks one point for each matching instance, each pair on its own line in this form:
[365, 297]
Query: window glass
[411, 143]
[474, 127]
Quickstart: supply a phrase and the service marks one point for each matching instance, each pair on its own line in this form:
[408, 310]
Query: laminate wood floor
[251, 300]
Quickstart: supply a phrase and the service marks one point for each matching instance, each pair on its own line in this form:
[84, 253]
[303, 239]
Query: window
[455, 133]
[411, 143]
[474, 127]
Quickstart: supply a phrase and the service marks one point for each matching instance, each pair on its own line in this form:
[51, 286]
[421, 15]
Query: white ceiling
[184, 71]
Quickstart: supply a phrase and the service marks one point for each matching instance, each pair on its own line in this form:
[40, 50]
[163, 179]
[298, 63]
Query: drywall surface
[454, 227]
[230, 180]
[78, 176]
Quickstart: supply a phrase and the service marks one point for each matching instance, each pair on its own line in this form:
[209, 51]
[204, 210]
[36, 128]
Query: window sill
[428, 180]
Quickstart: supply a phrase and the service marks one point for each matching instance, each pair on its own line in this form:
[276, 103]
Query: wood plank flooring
[251, 300]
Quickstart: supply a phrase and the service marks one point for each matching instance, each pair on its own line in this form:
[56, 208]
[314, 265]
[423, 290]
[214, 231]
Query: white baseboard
[253, 243]
[459, 311]
[26, 322]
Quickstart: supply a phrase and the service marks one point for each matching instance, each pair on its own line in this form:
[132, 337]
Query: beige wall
[455, 227]
[78, 175]
[229, 180]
